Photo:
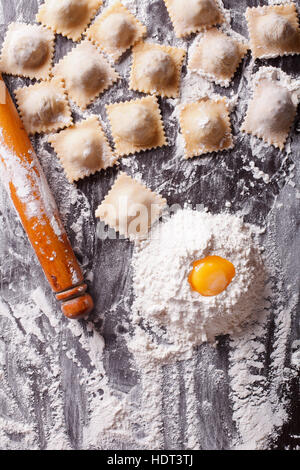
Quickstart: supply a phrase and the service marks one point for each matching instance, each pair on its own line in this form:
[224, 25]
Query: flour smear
[188, 394]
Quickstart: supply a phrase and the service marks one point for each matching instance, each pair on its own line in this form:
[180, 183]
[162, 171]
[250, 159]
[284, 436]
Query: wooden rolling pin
[25, 181]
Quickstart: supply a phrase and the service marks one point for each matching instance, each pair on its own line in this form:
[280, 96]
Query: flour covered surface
[158, 365]
[274, 30]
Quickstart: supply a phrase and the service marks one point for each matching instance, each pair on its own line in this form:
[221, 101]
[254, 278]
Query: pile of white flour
[164, 300]
[224, 397]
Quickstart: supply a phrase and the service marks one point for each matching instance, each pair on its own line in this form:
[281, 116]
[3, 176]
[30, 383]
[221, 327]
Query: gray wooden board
[219, 178]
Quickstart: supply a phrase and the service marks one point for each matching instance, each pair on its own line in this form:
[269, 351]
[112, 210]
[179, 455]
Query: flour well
[164, 300]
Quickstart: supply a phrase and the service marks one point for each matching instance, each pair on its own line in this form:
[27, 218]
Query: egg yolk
[211, 275]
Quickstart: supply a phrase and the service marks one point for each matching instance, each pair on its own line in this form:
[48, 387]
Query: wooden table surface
[219, 178]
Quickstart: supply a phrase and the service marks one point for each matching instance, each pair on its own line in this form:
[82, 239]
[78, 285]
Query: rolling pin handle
[76, 303]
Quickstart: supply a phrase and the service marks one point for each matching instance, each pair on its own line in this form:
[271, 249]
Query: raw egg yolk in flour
[211, 275]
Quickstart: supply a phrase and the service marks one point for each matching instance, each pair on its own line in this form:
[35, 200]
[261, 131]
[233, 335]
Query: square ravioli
[116, 30]
[136, 125]
[83, 149]
[271, 112]
[86, 73]
[44, 107]
[197, 15]
[156, 69]
[217, 56]
[68, 17]
[206, 127]
[27, 51]
[131, 208]
[274, 30]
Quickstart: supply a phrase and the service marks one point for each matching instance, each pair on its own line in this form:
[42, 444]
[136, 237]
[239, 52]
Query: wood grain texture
[212, 181]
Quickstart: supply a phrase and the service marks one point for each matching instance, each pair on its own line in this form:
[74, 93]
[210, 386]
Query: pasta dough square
[193, 16]
[131, 208]
[136, 125]
[83, 149]
[274, 30]
[217, 56]
[86, 73]
[27, 51]
[206, 127]
[156, 69]
[271, 113]
[44, 107]
[116, 30]
[68, 17]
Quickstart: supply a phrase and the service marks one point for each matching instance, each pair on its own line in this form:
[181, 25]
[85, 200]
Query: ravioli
[83, 149]
[206, 127]
[274, 30]
[116, 30]
[130, 208]
[156, 69]
[193, 16]
[68, 17]
[27, 51]
[136, 125]
[217, 56]
[271, 113]
[86, 73]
